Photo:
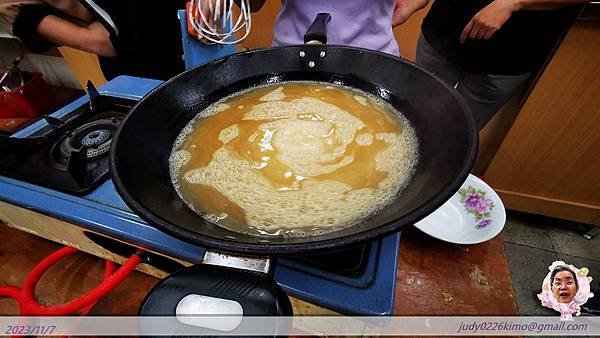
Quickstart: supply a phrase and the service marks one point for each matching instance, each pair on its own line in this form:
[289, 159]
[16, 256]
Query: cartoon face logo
[565, 289]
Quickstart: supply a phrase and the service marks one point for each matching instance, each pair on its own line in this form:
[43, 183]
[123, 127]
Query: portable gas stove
[55, 171]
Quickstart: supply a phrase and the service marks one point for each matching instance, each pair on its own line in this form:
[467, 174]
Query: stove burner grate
[93, 137]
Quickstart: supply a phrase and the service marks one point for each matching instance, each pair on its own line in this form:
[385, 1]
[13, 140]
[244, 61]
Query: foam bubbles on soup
[293, 159]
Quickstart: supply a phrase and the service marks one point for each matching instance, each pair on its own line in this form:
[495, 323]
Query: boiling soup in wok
[293, 159]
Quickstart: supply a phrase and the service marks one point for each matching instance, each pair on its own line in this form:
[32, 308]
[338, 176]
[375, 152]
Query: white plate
[474, 214]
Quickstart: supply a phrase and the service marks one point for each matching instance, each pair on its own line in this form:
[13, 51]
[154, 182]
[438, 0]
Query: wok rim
[308, 246]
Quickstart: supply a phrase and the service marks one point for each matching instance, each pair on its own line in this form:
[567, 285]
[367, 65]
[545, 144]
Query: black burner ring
[95, 137]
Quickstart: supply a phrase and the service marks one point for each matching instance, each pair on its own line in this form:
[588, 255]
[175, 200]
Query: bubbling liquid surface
[293, 159]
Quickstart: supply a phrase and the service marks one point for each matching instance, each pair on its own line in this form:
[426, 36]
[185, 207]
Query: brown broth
[265, 158]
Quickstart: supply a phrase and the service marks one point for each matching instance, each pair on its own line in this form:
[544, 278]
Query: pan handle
[317, 32]
[235, 291]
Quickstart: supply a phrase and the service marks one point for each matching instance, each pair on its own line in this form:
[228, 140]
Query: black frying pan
[445, 131]
[140, 169]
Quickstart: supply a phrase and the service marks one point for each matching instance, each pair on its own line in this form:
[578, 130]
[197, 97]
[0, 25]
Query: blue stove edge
[111, 217]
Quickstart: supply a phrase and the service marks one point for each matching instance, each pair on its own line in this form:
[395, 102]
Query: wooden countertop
[434, 277]
[439, 278]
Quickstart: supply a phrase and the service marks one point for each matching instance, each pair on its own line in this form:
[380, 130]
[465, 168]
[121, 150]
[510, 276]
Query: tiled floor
[532, 243]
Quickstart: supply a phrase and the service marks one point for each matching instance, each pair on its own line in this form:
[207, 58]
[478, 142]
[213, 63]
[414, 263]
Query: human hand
[489, 20]
[404, 9]
[100, 43]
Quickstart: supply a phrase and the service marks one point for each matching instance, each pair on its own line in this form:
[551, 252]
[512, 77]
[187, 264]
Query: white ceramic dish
[474, 214]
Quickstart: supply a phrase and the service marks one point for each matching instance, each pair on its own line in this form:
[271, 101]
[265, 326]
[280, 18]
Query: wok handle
[198, 293]
[317, 32]
[219, 290]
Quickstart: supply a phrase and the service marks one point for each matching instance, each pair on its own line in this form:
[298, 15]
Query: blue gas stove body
[104, 212]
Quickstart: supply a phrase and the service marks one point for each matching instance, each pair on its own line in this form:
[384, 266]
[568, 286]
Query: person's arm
[72, 8]
[547, 4]
[93, 38]
[491, 18]
[405, 8]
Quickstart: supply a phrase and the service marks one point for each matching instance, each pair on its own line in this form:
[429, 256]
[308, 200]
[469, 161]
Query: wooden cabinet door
[549, 162]
[84, 65]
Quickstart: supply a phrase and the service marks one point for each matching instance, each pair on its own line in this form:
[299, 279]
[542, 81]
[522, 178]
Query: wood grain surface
[434, 278]
[549, 162]
[439, 278]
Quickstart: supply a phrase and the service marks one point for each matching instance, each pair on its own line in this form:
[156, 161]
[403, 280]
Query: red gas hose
[29, 306]
[109, 269]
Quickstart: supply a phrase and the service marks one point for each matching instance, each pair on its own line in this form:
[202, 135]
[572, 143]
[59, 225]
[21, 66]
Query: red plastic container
[30, 100]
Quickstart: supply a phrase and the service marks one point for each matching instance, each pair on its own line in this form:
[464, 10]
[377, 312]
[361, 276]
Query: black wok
[140, 169]
[444, 128]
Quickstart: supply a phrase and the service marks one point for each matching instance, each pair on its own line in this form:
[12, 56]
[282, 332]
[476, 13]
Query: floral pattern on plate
[478, 205]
